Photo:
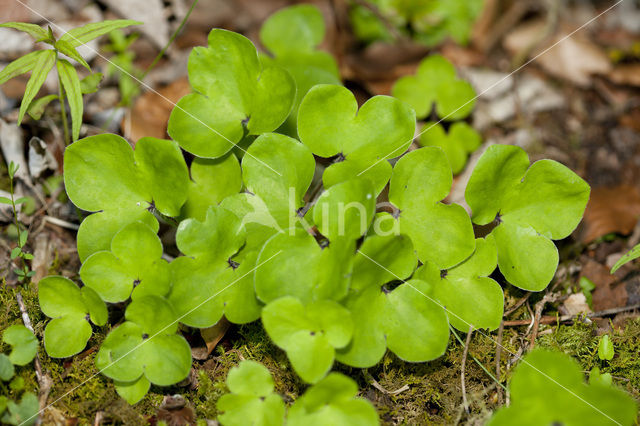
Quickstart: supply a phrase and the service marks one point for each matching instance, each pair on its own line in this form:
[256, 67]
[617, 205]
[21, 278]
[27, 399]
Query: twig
[536, 319]
[549, 319]
[498, 355]
[44, 381]
[62, 223]
[517, 305]
[378, 386]
[462, 367]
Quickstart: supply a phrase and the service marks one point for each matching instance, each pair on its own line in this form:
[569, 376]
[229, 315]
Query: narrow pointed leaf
[35, 31]
[20, 66]
[44, 63]
[66, 48]
[71, 84]
[86, 33]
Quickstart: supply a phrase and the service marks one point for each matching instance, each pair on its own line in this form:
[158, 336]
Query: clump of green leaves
[427, 21]
[41, 62]
[548, 388]
[23, 272]
[24, 347]
[253, 400]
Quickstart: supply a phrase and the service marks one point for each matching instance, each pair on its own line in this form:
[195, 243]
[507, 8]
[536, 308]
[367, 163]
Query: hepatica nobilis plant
[289, 230]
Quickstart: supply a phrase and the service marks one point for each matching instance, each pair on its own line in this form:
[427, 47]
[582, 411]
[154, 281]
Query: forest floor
[578, 103]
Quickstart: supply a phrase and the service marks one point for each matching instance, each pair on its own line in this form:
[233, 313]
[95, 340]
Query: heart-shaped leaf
[364, 139]
[436, 82]
[133, 392]
[24, 344]
[309, 334]
[71, 308]
[103, 174]
[441, 234]
[467, 293]
[461, 140]
[531, 206]
[548, 388]
[146, 344]
[133, 268]
[252, 400]
[332, 401]
[7, 370]
[233, 93]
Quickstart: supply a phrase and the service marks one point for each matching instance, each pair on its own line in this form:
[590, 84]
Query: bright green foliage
[133, 264]
[308, 333]
[435, 81]
[7, 370]
[468, 294]
[332, 401]
[428, 21]
[41, 62]
[252, 400]
[548, 388]
[461, 140]
[633, 254]
[145, 348]
[24, 344]
[364, 139]
[605, 348]
[234, 95]
[104, 174]
[71, 309]
[531, 206]
[23, 413]
[441, 234]
[292, 35]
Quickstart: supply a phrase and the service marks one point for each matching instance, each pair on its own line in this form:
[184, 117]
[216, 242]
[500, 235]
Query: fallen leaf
[611, 209]
[151, 111]
[626, 74]
[575, 304]
[609, 293]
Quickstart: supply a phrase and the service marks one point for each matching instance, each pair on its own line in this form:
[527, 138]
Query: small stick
[44, 381]
[536, 321]
[517, 305]
[462, 367]
[378, 386]
[61, 223]
[548, 319]
[498, 355]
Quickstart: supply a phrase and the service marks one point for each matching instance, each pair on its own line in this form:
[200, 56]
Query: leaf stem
[25, 269]
[63, 110]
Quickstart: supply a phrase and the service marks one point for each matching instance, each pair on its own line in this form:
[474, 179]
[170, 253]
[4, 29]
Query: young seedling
[458, 143]
[548, 388]
[71, 309]
[633, 254]
[234, 96]
[23, 273]
[436, 82]
[531, 205]
[41, 62]
[292, 36]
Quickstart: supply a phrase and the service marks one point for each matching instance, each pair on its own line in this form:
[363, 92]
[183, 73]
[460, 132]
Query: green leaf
[66, 48]
[250, 378]
[345, 210]
[293, 270]
[35, 31]
[17, 251]
[73, 93]
[69, 330]
[24, 344]
[332, 401]
[22, 200]
[279, 169]
[232, 91]
[5, 200]
[381, 129]
[22, 239]
[37, 107]
[461, 140]
[435, 81]
[133, 392]
[211, 182]
[90, 83]
[43, 64]
[146, 345]
[252, 400]
[605, 348]
[103, 173]
[293, 29]
[81, 35]
[24, 413]
[547, 388]
[6, 368]
[133, 268]
[20, 66]
[441, 234]
[309, 334]
[531, 206]
[466, 291]
[633, 254]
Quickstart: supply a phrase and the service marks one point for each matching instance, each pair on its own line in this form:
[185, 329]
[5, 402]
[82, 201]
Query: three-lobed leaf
[458, 143]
